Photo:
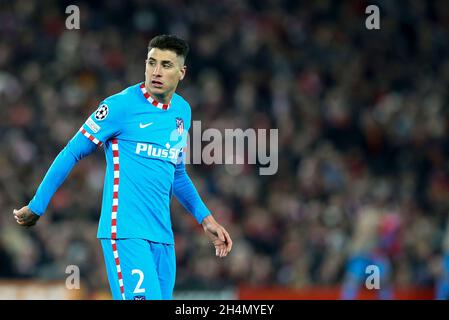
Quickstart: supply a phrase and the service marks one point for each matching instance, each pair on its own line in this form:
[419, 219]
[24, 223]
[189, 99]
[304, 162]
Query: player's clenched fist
[25, 217]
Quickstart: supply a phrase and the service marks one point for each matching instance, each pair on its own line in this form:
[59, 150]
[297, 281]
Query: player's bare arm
[218, 236]
[25, 217]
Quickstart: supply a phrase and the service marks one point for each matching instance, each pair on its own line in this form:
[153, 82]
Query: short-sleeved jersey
[142, 140]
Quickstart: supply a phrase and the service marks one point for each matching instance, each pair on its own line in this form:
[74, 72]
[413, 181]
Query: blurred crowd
[363, 120]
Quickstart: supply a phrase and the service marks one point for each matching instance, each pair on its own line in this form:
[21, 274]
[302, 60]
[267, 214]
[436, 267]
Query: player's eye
[167, 65]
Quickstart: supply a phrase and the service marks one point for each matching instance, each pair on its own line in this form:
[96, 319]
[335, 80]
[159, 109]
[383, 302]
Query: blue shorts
[139, 269]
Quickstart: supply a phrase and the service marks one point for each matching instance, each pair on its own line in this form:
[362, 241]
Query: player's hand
[218, 236]
[25, 217]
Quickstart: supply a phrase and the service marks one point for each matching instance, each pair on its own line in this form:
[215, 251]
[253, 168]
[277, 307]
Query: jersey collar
[153, 101]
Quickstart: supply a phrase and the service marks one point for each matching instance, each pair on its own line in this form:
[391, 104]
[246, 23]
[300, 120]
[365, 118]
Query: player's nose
[157, 70]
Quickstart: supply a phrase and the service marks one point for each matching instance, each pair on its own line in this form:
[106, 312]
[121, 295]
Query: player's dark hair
[170, 42]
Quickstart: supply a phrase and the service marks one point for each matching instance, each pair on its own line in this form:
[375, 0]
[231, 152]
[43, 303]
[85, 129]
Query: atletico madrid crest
[180, 125]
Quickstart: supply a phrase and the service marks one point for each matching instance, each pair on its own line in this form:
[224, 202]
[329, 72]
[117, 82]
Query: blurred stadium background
[363, 119]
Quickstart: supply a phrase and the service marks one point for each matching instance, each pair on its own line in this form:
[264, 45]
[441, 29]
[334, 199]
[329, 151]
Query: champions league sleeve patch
[102, 112]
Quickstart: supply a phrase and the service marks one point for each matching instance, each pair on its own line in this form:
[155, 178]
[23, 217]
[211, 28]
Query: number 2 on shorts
[138, 289]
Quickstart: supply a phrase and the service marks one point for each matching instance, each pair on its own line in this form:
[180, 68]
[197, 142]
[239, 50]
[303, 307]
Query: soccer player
[143, 131]
[376, 240]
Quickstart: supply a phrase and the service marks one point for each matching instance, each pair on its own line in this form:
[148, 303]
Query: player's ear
[183, 72]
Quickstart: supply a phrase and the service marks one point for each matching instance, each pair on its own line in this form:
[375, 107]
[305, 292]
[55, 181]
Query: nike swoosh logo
[142, 126]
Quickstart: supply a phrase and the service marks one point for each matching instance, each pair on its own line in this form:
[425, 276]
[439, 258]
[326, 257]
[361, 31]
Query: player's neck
[165, 99]
[162, 98]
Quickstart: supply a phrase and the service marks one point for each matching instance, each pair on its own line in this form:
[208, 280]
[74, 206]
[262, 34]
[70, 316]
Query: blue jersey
[144, 143]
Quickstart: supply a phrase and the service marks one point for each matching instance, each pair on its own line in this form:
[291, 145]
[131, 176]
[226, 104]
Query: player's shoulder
[181, 103]
[117, 102]
[123, 96]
